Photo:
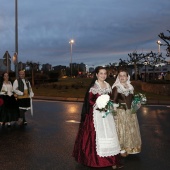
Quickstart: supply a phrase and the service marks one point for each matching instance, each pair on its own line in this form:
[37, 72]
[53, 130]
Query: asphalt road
[47, 141]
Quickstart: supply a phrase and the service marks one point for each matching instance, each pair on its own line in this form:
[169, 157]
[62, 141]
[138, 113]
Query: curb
[59, 98]
[69, 99]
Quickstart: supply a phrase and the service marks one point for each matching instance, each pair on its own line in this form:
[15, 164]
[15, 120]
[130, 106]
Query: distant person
[126, 122]
[9, 111]
[22, 88]
[161, 76]
[97, 144]
[167, 76]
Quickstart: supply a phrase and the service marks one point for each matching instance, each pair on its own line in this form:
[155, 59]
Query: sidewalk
[157, 102]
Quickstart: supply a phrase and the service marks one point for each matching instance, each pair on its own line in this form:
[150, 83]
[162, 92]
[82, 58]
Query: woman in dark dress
[9, 110]
[97, 143]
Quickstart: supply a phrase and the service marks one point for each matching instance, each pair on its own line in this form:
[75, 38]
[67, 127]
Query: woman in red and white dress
[97, 143]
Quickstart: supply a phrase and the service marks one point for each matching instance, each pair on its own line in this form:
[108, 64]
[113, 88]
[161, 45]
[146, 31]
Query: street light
[145, 63]
[16, 38]
[15, 60]
[159, 44]
[71, 44]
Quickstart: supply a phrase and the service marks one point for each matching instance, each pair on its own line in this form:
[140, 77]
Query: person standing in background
[9, 109]
[22, 88]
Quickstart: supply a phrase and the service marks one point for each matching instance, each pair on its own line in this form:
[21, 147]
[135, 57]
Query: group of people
[103, 141]
[15, 99]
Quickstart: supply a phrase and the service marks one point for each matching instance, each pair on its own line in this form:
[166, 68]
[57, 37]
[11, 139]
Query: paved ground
[47, 142]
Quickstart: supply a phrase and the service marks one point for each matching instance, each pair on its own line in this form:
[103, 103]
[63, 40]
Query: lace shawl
[122, 89]
[97, 89]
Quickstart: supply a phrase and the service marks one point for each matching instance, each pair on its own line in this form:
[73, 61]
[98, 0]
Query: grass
[76, 88]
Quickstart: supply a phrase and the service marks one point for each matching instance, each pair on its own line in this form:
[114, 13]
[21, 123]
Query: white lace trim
[97, 89]
[107, 143]
[122, 89]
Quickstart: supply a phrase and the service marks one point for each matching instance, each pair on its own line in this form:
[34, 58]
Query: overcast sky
[103, 30]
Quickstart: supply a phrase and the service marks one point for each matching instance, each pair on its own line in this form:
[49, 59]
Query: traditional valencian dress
[97, 143]
[126, 121]
[22, 88]
[9, 109]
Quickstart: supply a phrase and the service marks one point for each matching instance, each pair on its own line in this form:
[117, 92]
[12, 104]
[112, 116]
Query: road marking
[72, 121]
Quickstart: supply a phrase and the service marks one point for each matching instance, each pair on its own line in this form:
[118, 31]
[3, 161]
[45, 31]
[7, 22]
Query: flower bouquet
[138, 100]
[105, 105]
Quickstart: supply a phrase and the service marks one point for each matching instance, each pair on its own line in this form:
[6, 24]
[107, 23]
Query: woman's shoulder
[94, 89]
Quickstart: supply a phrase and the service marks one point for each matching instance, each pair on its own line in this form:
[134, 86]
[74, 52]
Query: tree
[153, 60]
[33, 66]
[112, 69]
[166, 40]
[135, 59]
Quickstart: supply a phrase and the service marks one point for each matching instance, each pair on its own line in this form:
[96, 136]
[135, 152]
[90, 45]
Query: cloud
[104, 30]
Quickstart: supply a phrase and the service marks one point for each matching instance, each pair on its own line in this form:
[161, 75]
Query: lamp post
[71, 46]
[145, 63]
[159, 44]
[16, 38]
[15, 61]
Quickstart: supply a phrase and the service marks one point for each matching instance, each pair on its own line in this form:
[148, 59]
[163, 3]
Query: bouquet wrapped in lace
[105, 105]
[138, 100]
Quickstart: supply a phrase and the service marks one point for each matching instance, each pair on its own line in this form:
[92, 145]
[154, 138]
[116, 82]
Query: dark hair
[123, 70]
[85, 108]
[2, 79]
[2, 76]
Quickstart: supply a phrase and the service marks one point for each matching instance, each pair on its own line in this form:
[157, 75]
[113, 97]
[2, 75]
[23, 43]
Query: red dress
[85, 145]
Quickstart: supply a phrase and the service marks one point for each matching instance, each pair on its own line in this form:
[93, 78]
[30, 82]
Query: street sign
[6, 55]
[5, 62]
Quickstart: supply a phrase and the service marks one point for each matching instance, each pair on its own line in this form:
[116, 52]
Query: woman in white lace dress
[97, 143]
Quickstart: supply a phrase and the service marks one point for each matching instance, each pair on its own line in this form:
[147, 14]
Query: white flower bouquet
[105, 105]
[138, 100]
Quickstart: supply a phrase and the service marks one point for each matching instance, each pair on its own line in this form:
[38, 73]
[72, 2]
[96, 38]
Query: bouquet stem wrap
[109, 107]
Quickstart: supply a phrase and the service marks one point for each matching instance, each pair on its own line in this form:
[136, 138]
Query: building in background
[59, 67]
[46, 67]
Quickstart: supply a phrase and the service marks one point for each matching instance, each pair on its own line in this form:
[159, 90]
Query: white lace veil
[121, 88]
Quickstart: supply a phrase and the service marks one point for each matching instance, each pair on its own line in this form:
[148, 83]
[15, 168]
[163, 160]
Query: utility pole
[16, 37]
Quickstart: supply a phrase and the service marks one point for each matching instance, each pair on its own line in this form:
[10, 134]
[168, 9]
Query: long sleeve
[89, 101]
[15, 88]
[121, 98]
[92, 99]
[114, 95]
